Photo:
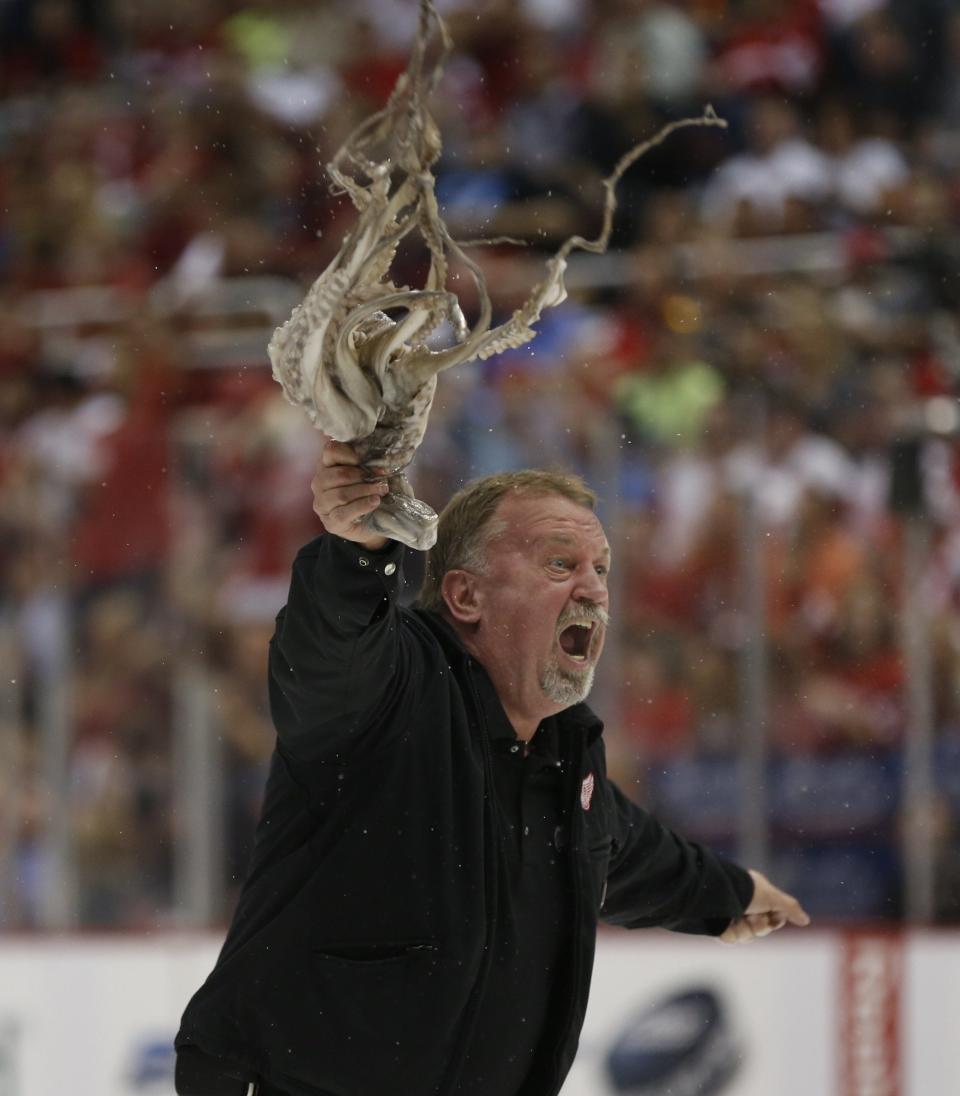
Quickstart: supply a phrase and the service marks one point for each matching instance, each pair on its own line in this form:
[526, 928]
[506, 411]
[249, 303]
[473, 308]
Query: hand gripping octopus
[362, 376]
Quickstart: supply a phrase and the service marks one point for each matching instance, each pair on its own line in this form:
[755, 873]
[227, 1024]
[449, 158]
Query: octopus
[356, 354]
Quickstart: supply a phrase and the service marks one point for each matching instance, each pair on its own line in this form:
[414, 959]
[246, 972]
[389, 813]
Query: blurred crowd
[761, 380]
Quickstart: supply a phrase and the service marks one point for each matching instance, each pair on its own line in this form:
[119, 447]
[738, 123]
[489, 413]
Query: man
[439, 837]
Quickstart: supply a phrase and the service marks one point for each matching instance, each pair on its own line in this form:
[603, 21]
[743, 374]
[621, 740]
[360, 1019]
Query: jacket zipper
[490, 869]
[576, 975]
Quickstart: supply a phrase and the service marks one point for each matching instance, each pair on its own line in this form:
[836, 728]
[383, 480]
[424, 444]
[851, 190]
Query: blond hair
[466, 526]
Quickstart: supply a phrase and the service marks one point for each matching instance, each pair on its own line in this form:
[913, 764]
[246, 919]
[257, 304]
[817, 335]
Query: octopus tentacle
[361, 376]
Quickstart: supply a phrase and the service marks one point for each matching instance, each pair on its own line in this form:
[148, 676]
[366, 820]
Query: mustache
[584, 613]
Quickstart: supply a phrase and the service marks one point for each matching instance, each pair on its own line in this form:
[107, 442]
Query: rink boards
[812, 1013]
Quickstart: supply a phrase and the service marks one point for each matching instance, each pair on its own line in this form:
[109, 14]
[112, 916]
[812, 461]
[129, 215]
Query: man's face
[543, 600]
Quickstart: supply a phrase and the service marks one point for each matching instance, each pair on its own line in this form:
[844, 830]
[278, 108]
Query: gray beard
[567, 687]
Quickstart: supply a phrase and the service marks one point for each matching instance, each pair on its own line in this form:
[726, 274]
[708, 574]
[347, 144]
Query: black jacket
[358, 949]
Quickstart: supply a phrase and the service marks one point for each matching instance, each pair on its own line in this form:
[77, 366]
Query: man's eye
[560, 564]
[602, 571]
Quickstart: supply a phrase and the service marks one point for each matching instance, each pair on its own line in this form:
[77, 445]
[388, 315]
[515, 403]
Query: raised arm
[335, 655]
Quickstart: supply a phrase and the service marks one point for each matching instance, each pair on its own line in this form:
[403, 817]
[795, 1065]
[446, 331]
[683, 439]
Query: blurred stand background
[760, 380]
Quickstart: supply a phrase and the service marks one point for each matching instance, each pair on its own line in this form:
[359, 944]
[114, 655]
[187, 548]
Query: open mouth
[575, 640]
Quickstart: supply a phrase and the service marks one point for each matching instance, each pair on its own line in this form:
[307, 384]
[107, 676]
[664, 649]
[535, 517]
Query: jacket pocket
[371, 951]
[356, 1016]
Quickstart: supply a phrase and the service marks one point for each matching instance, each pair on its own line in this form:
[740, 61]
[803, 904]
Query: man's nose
[591, 587]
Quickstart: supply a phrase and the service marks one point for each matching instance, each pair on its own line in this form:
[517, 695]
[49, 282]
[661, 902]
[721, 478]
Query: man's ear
[461, 596]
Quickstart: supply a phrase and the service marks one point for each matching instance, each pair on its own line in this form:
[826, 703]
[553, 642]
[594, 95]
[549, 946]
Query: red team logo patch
[586, 791]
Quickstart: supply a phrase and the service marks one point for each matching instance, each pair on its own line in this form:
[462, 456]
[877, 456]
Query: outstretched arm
[657, 878]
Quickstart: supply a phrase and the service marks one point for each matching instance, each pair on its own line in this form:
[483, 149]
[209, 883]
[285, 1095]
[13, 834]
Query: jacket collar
[579, 718]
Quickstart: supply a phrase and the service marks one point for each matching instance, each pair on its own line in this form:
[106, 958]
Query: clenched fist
[344, 494]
